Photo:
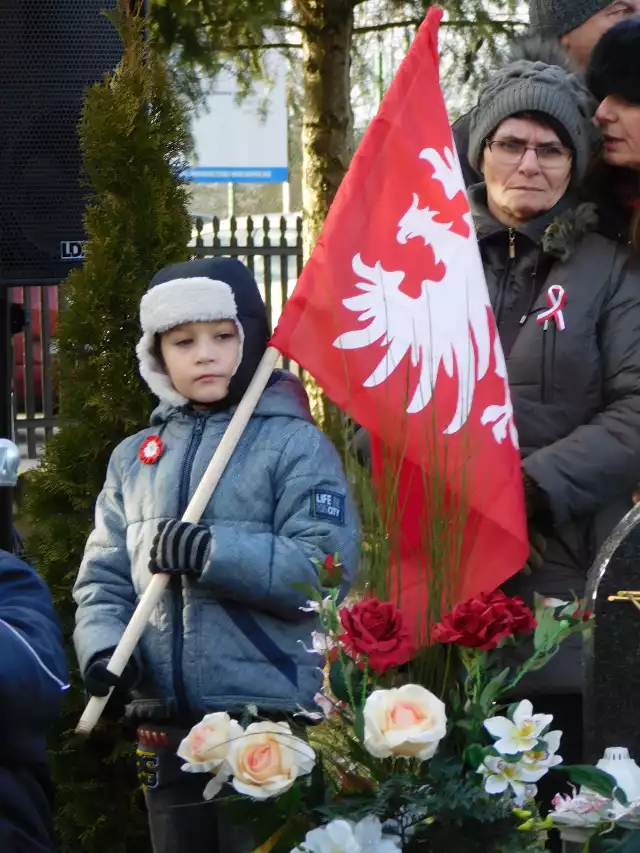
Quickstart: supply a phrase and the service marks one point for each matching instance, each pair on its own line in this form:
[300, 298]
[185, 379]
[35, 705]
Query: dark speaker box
[50, 52]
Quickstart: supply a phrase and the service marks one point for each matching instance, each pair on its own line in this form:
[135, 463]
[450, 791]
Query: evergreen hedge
[134, 139]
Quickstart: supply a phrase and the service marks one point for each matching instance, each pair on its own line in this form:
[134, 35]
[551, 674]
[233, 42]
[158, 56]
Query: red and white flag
[392, 318]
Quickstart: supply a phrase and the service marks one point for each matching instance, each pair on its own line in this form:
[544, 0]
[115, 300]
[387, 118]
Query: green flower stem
[347, 680]
[477, 671]
[447, 671]
[365, 682]
[528, 666]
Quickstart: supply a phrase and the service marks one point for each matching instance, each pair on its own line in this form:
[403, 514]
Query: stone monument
[612, 651]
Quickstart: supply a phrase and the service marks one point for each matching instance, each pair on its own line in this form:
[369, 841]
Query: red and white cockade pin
[151, 450]
[556, 299]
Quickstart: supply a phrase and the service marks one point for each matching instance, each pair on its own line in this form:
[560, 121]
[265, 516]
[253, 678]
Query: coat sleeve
[314, 517]
[600, 461]
[104, 590]
[33, 666]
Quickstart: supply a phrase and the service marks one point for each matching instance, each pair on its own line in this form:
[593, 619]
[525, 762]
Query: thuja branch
[497, 25]
[284, 45]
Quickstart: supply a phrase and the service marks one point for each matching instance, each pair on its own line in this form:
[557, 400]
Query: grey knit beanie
[555, 18]
[525, 86]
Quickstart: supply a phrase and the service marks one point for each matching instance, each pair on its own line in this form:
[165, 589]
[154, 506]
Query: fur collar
[537, 48]
[559, 231]
[563, 236]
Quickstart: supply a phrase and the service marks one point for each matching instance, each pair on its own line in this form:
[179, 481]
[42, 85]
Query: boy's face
[201, 358]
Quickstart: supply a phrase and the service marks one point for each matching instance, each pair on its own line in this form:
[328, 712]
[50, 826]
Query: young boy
[33, 678]
[230, 630]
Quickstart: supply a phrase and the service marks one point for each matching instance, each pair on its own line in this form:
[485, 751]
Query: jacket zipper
[533, 297]
[552, 372]
[178, 602]
[543, 378]
[502, 287]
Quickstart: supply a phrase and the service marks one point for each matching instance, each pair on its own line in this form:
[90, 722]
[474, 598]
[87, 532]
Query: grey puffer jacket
[237, 635]
[576, 392]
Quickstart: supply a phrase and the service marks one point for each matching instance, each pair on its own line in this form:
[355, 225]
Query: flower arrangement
[606, 807]
[384, 763]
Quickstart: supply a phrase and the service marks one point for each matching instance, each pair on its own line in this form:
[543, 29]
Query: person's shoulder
[21, 576]
[285, 400]
[10, 563]
[308, 445]
[284, 406]
[613, 191]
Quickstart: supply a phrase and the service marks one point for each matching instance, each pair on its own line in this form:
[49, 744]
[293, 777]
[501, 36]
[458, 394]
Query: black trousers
[180, 819]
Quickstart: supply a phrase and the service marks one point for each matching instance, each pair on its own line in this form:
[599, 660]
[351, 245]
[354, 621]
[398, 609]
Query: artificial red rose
[483, 622]
[376, 629]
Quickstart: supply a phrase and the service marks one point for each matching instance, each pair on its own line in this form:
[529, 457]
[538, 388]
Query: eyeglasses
[510, 153]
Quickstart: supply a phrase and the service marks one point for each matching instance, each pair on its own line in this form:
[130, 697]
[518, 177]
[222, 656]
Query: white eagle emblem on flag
[440, 327]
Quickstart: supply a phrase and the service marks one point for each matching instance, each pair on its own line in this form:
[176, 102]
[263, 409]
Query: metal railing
[271, 246]
[34, 386]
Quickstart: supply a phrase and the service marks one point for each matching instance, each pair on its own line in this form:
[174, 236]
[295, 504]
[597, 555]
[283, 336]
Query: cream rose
[267, 760]
[406, 722]
[206, 747]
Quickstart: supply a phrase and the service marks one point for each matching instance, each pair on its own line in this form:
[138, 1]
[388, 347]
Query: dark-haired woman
[614, 79]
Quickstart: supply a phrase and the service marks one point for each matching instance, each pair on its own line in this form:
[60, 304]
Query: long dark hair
[635, 228]
[616, 193]
[614, 70]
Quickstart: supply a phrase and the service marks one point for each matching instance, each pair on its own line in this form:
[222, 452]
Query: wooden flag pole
[193, 514]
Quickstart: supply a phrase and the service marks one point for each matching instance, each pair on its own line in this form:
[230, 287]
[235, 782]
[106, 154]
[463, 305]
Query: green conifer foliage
[134, 140]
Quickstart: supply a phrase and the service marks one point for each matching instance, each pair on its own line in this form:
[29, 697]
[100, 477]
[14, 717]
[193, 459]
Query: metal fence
[271, 246]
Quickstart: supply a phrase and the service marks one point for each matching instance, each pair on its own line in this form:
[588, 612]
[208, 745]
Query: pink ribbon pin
[557, 299]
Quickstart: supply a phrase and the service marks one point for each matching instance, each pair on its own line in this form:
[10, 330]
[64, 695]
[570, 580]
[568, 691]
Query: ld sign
[72, 250]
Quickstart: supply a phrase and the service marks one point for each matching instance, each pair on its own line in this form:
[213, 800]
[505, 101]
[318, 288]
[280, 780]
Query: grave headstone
[612, 651]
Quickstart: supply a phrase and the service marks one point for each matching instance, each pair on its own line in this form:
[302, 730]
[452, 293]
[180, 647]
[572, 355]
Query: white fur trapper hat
[206, 290]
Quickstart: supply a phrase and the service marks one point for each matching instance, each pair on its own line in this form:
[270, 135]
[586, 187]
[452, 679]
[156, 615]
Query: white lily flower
[580, 810]
[345, 836]
[544, 757]
[521, 734]
[501, 775]
[310, 716]
[215, 785]
[527, 796]
[320, 643]
[317, 606]
[328, 708]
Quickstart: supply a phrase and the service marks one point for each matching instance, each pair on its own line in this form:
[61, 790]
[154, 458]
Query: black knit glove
[537, 552]
[360, 447]
[180, 548]
[98, 680]
[532, 497]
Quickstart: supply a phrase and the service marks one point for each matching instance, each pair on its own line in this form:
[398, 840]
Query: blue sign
[243, 140]
[254, 175]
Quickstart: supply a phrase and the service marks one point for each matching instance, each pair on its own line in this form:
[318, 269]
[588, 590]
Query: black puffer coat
[576, 392]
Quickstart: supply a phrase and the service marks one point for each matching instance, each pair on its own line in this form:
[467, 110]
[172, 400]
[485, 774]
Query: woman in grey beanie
[567, 306]
[561, 32]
